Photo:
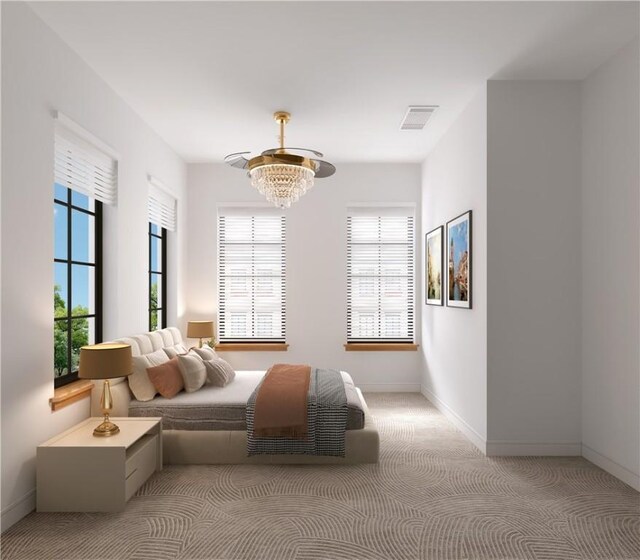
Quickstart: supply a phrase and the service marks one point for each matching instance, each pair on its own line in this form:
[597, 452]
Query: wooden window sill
[73, 392]
[378, 347]
[251, 347]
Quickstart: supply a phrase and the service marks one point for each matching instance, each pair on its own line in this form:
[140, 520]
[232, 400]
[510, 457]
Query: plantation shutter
[251, 275]
[83, 163]
[161, 206]
[380, 275]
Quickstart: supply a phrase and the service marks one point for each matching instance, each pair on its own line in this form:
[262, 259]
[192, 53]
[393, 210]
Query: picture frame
[434, 272]
[460, 261]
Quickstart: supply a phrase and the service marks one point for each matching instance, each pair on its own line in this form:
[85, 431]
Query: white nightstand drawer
[140, 464]
[140, 452]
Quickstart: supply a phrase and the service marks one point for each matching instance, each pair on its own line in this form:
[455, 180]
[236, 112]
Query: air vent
[417, 116]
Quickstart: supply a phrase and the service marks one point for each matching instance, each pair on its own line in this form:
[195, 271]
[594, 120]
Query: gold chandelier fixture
[282, 174]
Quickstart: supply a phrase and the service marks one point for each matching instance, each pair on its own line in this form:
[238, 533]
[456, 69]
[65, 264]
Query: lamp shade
[200, 329]
[104, 361]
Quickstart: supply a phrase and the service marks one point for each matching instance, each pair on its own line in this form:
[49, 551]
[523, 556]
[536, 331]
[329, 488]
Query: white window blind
[83, 165]
[162, 206]
[251, 275]
[380, 275]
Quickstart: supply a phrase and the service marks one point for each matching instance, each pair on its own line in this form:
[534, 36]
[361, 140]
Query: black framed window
[77, 292]
[157, 277]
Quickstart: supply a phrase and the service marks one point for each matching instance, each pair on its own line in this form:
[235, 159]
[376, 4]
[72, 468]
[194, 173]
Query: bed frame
[199, 447]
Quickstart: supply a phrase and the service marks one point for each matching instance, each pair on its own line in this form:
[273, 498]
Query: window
[251, 276]
[162, 219]
[77, 292]
[380, 275]
[157, 277]
[85, 178]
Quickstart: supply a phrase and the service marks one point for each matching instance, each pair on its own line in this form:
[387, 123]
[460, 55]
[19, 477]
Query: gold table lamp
[105, 361]
[200, 329]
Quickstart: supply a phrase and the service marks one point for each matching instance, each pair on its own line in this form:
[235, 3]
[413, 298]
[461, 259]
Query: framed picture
[459, 261]
[434, 255]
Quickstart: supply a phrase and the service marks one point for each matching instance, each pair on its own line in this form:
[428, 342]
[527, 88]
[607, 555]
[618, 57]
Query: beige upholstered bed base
[185, 447]
[193, 447]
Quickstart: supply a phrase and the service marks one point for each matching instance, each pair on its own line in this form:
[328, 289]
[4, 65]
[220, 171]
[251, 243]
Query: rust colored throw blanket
[281, 402]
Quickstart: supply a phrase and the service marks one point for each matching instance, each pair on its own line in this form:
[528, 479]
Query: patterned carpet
[433, 496]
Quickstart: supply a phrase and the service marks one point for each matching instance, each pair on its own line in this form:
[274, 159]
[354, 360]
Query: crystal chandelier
[281, 174]
[281, 183]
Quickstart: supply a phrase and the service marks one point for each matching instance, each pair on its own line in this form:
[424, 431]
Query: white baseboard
[389, 387]
[456, 419]
[499, 448]
[609, 465]
[17, 510]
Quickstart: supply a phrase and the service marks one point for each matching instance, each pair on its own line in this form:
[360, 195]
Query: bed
[209, 425]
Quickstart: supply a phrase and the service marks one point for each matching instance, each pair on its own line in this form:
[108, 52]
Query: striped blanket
[326, 420]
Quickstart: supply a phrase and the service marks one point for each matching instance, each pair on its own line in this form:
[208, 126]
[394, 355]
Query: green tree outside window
[153, 302]
[79, 333]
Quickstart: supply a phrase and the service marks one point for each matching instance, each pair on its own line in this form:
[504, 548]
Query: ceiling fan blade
[324, 169]
[272, 151]
[237, 160]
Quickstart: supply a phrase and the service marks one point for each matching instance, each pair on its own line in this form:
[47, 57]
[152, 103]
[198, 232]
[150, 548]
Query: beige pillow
[219, 372]
[167, 378]
[139, 382]
[176, 350]
[193, 372]
[206, 352]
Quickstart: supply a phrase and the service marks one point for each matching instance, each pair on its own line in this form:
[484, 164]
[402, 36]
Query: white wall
[508, 371]
[555, 368]
[41, 74]
[454, 341]
[316, 266]
[610, 263]
[533, 267]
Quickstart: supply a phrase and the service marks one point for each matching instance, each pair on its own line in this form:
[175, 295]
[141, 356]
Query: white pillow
[219, 372]
[206, 352]
[193, 372]
[139, 382]
[173, 351]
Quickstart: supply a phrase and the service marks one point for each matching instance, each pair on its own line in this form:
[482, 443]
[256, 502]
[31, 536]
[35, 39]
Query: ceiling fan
[282, 174]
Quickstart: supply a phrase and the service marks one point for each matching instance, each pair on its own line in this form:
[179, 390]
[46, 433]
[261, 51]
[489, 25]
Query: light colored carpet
[433, 496]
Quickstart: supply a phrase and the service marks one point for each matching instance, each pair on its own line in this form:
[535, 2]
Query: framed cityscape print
[434, 255]
[459, 261]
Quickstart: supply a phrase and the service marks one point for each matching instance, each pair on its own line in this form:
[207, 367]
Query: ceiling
[207, 76]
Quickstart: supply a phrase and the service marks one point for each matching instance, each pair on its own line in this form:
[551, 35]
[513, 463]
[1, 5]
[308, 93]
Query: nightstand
[77, 471]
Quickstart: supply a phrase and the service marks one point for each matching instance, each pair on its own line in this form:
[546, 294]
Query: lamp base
[106, 429]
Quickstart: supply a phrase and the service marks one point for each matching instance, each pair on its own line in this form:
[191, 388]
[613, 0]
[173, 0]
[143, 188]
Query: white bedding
[235, 393]
[224, 408]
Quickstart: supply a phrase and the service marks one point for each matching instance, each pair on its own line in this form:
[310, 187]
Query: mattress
[224, 408]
